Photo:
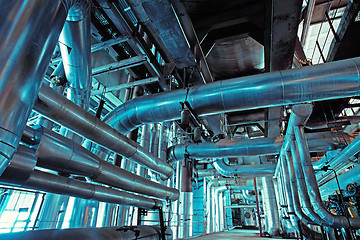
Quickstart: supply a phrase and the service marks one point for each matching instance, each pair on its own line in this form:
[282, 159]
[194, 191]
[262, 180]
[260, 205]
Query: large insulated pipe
[113, 233]
[326, 218]
[314, 83]
[270, 206]
[56, 107]
[38, 180]
[244, 170]
[61, 154]
[75, 50]
[318, 142]
[29, 32]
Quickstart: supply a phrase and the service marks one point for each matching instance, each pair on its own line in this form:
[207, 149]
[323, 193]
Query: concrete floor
[231, 234]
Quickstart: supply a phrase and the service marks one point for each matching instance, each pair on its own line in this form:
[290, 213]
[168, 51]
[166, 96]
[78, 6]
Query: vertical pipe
[257, 206]
[28, 34]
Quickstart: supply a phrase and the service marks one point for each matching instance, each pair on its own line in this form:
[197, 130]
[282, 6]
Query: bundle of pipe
[318, 142]
[305, 176]
[113, 233]
[21, 173]
[61, 154]
[314, 83]
[59, 109]
[29, 33]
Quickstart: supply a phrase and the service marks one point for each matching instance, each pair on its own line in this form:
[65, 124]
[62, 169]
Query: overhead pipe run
[48, 182]
[28, 38]
[318, 142]
[75, 48]
[259, 170]
[61, 154]
[313, 83]
[59, 109]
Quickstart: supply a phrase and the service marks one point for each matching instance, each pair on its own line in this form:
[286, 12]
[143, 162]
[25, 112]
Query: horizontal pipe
[59, 109]
[48, 182]
[318, 142]
[113, 233]
[313, 83]
[244, 170]
[117, 66]
[61, 154]
[96, 47]
[126, 85]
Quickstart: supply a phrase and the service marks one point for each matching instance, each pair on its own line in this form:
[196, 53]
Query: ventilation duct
[56, 107]
[314, 83]
[318, 142]
[61, 154]
[29, 33]
[42, 181]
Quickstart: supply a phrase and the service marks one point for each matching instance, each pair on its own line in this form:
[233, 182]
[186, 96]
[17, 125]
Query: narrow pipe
[56, 107]
[313, 83]
[61, 154]
[29, 33]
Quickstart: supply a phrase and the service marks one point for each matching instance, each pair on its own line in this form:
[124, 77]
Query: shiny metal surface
[244, 170]
[318, 142]
[109, 233]
[326, 218]
[48, 182]
[61, 154]
[270, 206]
[28, 34]
[58, 108]
[75, 50]
[314, 83]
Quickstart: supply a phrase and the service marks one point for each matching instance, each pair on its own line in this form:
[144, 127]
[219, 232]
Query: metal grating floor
[230, 235]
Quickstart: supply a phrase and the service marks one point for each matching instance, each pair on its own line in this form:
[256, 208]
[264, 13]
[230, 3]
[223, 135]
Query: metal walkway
[230, 235]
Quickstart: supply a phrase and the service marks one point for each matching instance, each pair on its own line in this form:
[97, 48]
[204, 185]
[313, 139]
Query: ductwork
[247, 196]
[61, 154]
[244, 170]
[48, 182]
[75, 50]
[314, 83]
[318, 142]
[29, 32]
[56, 107]
[110, 233]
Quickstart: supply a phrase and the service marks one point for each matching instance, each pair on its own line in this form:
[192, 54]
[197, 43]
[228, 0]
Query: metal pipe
[48, 182]
[56, 107]
[126, 85]
[326, 218]
[270, 206]
[29, 34]
[75, 51]
[244, 170]
[314, 83]
[61, 154]
[117, 66]
[318, 142]
[114, 233]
